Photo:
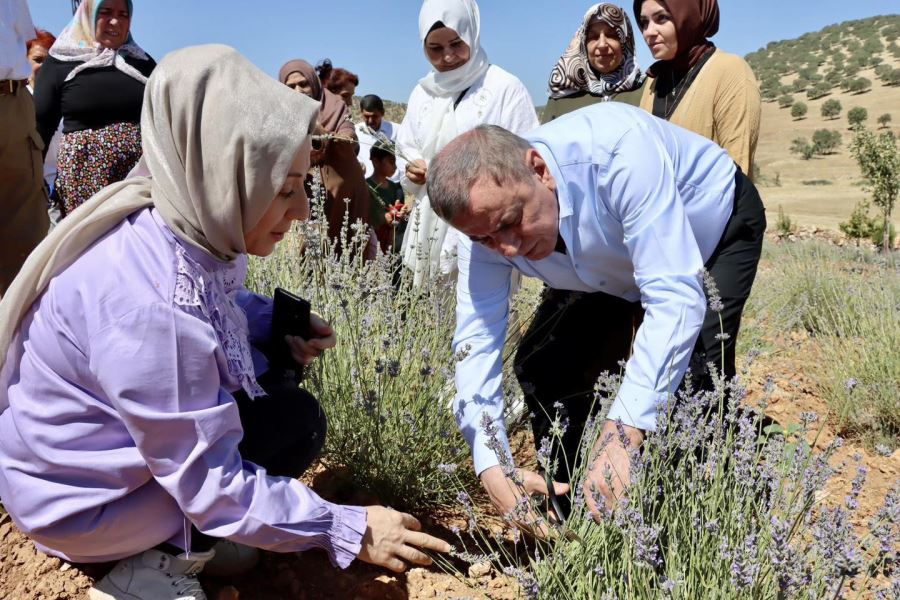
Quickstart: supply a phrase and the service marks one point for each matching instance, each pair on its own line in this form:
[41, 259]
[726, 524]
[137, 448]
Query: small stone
[479, 569]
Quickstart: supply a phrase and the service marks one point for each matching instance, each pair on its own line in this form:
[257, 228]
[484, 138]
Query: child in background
[389, 213]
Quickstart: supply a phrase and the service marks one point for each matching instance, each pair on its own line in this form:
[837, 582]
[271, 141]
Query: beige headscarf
[219, 136]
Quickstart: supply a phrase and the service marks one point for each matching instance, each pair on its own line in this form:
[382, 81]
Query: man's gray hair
[486, 151]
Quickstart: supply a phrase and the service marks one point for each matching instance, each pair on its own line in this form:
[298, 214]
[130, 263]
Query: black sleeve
[48, 98]
[145, 67]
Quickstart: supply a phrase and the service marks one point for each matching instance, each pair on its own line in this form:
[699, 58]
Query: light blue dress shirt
[642, 206]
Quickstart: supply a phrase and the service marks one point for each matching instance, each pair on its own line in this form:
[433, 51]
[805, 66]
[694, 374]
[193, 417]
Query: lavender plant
[848, 299]
[387, 386]
[716, 509]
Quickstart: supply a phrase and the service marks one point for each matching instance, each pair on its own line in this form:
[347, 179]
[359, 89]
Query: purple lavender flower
[447, 468]
[851, 501]
[393, 368]
[787, 563]
[836, 543]
[527, 582]
[745, 564]
[714, 300]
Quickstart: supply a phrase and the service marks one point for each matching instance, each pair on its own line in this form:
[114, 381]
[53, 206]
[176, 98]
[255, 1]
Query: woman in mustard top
[694, 84]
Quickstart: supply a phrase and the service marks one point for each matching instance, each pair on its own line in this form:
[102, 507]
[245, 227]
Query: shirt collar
[565, 203]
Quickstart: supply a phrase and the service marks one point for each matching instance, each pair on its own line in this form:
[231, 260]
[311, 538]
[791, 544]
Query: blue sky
[379, 40]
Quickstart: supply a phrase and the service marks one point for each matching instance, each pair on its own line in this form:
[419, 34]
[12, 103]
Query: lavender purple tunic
[121, 429]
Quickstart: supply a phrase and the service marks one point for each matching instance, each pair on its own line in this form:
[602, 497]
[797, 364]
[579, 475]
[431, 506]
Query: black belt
[9, 87]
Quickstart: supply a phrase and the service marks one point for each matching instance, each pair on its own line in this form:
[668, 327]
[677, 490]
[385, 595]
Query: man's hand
[508, 497]
[417, 171]
[323, 338]
[609, 475]
[394, 539]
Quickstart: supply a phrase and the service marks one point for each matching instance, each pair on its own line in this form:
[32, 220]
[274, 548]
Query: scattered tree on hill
[785, 101]
[857, 116]
[801, 146]
[800, 84]
[878, 157]
[833, 77]
[826, 141]
[860, 85]
[883, 72]
[883, 120]
[873, 45]
[798, 110]
[895, 77]
[819, 90]
[831, 109]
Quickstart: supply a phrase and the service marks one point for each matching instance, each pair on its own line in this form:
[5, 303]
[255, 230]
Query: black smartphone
[290, 316]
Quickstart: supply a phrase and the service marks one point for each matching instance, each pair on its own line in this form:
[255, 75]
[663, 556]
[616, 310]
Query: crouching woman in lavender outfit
[137, 421]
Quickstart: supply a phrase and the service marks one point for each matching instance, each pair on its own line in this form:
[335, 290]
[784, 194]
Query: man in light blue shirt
[618, 205]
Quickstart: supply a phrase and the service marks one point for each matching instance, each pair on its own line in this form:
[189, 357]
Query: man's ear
[537, 164]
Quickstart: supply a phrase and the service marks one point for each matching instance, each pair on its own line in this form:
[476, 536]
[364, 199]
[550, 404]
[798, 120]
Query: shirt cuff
[484, 450]
[637, 406]
[346, 534]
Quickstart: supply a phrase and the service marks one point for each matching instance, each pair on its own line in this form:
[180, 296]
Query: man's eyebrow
[296, 174]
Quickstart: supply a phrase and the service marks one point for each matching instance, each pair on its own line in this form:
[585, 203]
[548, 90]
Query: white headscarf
[424, 243]
[217, 161]
[78, 43]
[463, 17]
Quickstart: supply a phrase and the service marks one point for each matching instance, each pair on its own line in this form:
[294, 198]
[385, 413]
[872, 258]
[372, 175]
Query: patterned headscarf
[78, 42]
[573, 72]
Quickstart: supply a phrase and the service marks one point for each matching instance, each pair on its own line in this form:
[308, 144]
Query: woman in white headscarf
[138, 420]
[463, 90]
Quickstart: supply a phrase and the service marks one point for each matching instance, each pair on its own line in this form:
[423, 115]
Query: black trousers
[284, 432]
[577, 336]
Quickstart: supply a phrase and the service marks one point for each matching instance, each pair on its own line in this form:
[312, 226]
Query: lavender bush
[717, 509]
[387, 386]
[849, 299]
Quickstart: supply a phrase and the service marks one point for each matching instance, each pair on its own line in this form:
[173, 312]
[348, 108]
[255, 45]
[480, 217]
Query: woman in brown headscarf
[342, 175]
[695, 85]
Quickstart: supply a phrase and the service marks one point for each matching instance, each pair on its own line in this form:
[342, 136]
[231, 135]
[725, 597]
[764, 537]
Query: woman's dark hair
[371, 103]
[379, 152]
[323, 69]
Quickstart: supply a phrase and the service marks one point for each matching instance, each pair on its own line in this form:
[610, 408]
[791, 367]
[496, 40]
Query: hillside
[814, 69]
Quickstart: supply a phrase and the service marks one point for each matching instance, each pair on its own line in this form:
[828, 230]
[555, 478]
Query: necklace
[677, 94]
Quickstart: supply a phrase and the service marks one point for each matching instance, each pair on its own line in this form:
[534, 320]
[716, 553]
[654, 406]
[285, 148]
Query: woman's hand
[317, 155]
[417, 171]
[395, 540]
[305, 351]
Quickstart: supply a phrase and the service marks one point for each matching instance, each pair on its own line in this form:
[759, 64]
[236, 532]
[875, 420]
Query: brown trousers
[23, 198]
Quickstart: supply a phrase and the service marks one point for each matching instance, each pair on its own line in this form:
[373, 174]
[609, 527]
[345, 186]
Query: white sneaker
[231, 559]
[154, 575]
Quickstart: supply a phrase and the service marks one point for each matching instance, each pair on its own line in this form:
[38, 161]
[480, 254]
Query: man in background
[373, 127]
[23, 199]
